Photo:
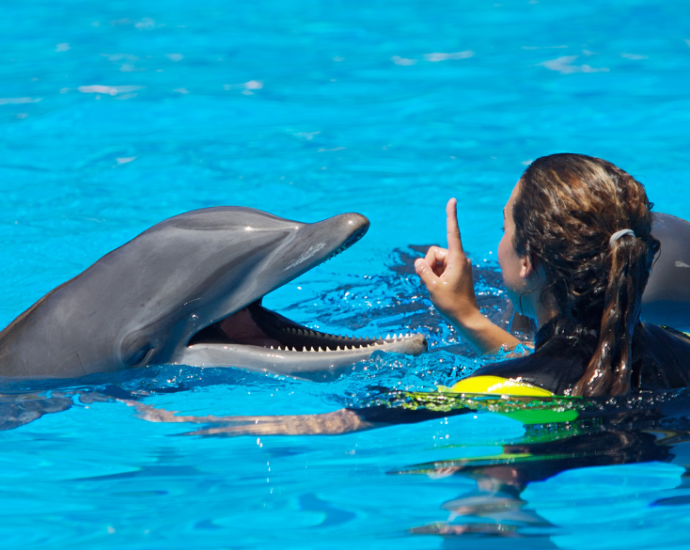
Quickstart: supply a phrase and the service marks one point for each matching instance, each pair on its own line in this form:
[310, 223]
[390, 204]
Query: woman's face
[513, 267]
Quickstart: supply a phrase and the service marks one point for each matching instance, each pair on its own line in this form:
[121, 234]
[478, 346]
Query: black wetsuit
[661, 358]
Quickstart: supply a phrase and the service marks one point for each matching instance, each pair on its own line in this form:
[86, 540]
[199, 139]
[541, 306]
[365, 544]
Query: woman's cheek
[501, 253]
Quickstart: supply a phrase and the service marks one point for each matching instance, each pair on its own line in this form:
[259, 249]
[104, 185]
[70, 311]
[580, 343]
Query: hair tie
[618, 234]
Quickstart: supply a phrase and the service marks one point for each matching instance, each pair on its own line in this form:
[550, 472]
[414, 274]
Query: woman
[575, 256]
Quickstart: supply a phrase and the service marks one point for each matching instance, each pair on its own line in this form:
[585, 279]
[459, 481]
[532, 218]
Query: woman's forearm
[484, 336]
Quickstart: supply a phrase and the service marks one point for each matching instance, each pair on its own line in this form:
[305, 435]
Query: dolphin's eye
[135, 350]
[139, 355]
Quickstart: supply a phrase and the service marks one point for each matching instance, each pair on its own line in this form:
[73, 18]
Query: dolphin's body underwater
[666, 299]
[188, 291]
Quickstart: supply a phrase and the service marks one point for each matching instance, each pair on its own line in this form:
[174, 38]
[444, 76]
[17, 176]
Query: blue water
[116, 115]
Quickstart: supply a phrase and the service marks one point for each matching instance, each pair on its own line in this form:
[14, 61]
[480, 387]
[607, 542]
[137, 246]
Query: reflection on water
[560, 434]
[642, 428]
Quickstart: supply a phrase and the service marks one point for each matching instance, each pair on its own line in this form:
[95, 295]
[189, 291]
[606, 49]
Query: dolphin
[188, 291]
[666, 299]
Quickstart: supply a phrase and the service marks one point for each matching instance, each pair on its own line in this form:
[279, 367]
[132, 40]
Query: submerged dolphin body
[188, 291]
[666, 299]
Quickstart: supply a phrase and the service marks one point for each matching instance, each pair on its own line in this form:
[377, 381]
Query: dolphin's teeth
[312, 349]
[312, 333]
[304, 348]
[271, 347]
[300, 331]
[320, 349]
[388, 336]
[293, 349]
[338, 348]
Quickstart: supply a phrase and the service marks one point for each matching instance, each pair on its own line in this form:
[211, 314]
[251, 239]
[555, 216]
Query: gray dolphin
[188, 291]
[666, 300]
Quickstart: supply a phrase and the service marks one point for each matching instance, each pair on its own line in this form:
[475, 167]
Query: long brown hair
[566, 211]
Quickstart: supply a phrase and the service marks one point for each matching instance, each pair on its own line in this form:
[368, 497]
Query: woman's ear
[527, 266]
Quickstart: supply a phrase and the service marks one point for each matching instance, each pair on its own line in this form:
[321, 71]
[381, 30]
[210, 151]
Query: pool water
[117, 115]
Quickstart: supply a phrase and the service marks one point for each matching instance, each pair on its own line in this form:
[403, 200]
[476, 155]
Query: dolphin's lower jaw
[288, 347]
[319, 365]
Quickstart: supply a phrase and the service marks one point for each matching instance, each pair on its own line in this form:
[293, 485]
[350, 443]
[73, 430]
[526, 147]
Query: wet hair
[567, 208]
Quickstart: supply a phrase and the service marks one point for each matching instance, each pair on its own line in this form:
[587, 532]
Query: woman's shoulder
[663, 357]
[666, 332]
[660, 338]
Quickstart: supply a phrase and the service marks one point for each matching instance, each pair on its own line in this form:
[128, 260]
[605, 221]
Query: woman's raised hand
[447, 274]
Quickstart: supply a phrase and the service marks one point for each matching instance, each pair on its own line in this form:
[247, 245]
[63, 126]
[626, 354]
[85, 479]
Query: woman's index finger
[452, 229]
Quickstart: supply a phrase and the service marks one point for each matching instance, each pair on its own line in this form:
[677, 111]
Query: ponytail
[568, 216]
[610, 368]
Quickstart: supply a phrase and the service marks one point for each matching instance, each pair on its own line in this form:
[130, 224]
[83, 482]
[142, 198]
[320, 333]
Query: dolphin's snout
[356, 225]
[357, 221]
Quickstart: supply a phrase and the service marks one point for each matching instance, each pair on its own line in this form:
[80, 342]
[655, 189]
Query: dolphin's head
[189, 291]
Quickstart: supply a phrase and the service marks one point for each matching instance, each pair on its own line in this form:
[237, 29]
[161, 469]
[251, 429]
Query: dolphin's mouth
[255, 337]
[258, 326]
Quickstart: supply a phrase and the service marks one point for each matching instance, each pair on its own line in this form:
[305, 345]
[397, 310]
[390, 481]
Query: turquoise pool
[117, 115]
